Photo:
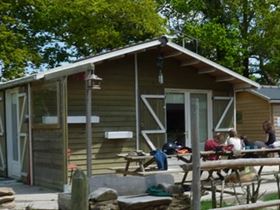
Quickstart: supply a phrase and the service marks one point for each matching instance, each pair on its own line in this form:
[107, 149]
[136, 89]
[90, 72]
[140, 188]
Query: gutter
[19, 81]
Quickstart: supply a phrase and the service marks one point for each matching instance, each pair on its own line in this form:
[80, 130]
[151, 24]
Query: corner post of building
[136, 101]
[64, 113]
[88, 86]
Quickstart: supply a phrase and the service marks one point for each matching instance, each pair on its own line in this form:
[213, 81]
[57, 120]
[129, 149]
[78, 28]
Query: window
[45, 102]
[223, 113]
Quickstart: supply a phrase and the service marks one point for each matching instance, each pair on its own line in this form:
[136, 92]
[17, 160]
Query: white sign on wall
[278, 121]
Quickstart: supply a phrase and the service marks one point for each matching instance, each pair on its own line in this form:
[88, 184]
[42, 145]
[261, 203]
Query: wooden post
[278, 186]
[195, 158]
[79, 197]
[213, 191]
[88, 120]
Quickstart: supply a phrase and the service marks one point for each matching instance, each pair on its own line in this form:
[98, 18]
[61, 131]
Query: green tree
[17, 46]
[47, 32]
[240, 34]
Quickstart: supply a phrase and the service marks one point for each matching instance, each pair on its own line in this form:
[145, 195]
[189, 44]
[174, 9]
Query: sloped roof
[270, 93]
[169, 50]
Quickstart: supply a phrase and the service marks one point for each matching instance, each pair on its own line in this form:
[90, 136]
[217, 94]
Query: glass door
[13, 146]
[188, 116]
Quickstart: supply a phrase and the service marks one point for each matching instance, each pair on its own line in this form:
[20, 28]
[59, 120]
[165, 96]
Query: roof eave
[259, 94]
[19, 81]
[215, 65]
[81, 66]
[274, 101]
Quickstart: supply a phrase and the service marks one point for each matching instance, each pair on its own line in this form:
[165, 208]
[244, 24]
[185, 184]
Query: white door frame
[187, 93]
[14, 167]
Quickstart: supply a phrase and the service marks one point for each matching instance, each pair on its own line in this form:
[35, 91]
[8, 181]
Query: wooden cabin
[253, 107]
[150, 92]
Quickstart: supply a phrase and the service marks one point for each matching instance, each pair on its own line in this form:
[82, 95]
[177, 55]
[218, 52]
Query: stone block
[104, 205]
[6, 191]
[143, 202]
[103, 194]
[64, 201]
[128, 185]
[6, 198]
[9, 205]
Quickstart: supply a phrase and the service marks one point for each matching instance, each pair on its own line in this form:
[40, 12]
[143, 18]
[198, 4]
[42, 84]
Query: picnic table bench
[144, 163]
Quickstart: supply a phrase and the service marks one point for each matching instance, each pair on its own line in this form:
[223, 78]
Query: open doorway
[188, 116]
[175, 118]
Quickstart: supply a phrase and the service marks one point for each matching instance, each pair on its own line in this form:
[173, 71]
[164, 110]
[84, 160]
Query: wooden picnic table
[144, 162]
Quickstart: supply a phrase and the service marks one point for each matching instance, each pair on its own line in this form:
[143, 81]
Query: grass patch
[207, 204]
[270, 196]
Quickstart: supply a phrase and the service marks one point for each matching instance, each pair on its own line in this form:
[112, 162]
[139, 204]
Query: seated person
[270, 133]
[214, 144]
[234, 140]
[269, 140]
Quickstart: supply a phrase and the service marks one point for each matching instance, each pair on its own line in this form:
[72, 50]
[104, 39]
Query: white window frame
[155, 117]
[187, 93]
[230, 102]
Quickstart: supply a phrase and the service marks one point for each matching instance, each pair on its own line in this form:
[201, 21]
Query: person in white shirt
[234, 140]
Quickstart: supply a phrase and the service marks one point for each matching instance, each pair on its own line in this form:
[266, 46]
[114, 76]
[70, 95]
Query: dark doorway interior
[175, 119]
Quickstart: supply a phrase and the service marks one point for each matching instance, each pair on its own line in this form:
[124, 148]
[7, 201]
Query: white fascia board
[256, 93]
[18, 81]
[213, 64]
[81, 66]
[274, 101]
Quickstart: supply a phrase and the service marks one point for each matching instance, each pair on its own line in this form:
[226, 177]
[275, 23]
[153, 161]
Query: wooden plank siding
[48, 158]
[253, 111]
[3, 157]
[114, 104]
[48, 143]
[175, 77]
[276, 115]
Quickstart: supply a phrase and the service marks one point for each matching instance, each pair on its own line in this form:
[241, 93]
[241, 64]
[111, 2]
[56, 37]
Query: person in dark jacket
[270, 133]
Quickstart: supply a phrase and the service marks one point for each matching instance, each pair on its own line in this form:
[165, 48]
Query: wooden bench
[147, 173]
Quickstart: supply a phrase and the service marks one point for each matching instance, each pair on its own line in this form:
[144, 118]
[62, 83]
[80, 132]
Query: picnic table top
[143, 156]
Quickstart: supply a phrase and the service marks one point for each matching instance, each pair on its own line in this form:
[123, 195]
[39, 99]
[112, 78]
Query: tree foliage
[240, 34]
[36, 32]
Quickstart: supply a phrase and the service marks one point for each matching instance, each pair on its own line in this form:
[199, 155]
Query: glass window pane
[199, 117]
[174, 98]
[45, 103]
[218, 110]
[15, 128]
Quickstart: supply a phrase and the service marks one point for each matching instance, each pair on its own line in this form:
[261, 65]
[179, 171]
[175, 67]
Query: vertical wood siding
[175, 77]
[48, 150]
[48, 158]
[276, 115]
[3, 157]
[253, 111]
[115, 105]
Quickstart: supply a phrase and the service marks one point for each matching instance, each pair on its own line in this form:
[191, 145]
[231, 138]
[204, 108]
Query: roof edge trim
[213, 64]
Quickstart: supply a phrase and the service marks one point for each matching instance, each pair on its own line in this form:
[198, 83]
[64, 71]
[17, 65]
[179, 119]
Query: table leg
[184, 178]
[142, 165]
[260, 171]
[126, 168]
